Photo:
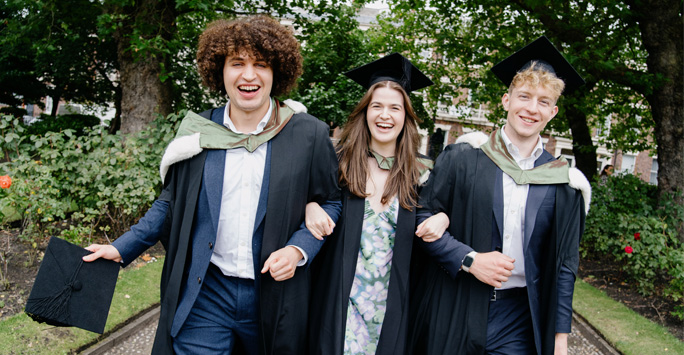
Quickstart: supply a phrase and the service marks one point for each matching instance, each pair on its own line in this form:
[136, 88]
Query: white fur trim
[178, 150]
[475, 139]
[579, 182]
[296, 106]
[424, 178]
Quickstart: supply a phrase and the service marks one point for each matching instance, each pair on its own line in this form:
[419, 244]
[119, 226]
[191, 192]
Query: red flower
[628, 250]
[5, 181]
[637, 236]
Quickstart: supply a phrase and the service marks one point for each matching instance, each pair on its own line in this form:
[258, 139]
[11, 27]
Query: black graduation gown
[334, 271]
[449, 315]
[303, 169]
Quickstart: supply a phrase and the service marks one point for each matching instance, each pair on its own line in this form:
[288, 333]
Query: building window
[654, 172]
[627, 163]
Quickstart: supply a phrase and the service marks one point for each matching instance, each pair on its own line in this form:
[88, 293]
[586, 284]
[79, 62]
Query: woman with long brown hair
[359, 303]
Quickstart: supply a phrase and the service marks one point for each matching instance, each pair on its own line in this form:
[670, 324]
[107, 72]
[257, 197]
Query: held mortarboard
[542, 51]
[393, 67]
[71, 292]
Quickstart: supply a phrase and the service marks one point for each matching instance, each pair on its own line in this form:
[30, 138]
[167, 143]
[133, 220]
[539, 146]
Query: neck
[525, 144]
[244, 121]
[386, 149]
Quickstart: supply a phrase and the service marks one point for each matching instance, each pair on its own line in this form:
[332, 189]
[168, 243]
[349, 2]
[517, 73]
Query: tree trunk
[582, 146]
[143, 94]
[55, 104]
[115, 123]
[661, 26]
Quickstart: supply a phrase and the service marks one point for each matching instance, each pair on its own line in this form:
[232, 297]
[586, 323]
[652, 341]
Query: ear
[504, 101]
[554, 112]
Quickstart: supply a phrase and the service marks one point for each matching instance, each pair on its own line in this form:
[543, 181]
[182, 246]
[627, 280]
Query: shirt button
[199, 280]
[508, 236]
[211, 245]
[513, 211]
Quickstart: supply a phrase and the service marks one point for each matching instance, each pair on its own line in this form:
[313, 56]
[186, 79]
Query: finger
[317, 235]
[267, 265]
[94, 256]
[420, 232]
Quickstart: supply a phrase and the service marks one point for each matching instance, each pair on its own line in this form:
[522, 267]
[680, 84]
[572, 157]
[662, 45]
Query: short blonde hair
[538, 77]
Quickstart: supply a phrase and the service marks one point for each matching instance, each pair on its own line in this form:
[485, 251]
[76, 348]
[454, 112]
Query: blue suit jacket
[539, 215]
[205, 226]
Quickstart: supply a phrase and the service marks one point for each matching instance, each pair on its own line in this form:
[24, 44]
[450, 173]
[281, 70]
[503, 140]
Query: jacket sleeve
[323, 189]
[150, 228]
[144, 234]
[436, 197]
[572, 228]
[305, 241]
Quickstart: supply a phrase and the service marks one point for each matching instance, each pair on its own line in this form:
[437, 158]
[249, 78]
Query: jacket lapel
[214, 168]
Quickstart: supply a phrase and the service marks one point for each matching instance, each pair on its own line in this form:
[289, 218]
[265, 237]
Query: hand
[317, 221]
[492, 268]
[561, 347]
[432, 228]
[283, 263]
[108, 252]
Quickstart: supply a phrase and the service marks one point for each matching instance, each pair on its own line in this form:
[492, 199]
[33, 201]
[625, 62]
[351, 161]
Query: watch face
[468, 261]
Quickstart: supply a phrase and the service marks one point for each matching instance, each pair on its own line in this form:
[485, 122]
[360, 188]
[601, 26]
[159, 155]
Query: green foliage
[14, 111]
[75, 122]
[51, 48]
[333, 45]
[462, 40]
[102, 182]
[625, 216]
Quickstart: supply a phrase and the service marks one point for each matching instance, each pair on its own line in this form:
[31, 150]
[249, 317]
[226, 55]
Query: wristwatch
[468, 261]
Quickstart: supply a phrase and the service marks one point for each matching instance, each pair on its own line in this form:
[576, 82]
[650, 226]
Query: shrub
[13, 111]
[77, 123]
[102, 182]
[626, 224]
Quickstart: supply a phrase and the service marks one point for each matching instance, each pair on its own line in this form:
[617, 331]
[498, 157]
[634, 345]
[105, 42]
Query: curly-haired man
[236, 183]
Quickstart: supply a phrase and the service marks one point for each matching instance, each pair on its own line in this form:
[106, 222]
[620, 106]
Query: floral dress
[368, 296]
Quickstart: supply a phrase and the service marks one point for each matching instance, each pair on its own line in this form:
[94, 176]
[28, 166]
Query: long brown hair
[354, 151]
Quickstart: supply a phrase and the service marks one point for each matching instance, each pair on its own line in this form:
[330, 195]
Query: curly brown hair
[259, 35]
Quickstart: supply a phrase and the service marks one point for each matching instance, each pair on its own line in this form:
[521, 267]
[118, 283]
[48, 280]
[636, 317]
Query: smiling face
[529, 110]
[385, 117]
[248, 82]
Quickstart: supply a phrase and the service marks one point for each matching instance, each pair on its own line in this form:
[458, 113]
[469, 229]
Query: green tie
[553, 172]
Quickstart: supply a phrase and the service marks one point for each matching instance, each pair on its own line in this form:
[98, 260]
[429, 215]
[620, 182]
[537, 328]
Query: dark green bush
[77, 123]
[13, 111]
[95, 185]
[626, 225]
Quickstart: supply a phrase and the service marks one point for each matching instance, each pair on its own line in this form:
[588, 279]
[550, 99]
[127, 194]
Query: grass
[623, 328]
[136, 289]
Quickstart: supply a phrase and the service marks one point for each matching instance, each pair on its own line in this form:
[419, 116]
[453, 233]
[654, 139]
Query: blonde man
[516, 217]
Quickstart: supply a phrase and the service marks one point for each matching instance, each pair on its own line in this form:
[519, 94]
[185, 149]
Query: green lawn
[137, 289]
[623, 328]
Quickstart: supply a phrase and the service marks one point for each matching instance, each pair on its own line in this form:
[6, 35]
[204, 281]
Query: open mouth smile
[248, 88]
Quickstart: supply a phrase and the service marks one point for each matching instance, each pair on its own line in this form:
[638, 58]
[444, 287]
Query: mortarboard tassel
[54, 309]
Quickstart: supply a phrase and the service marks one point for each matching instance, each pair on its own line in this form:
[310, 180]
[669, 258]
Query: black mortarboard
[550, 59]
[394, 67]
[71, 292]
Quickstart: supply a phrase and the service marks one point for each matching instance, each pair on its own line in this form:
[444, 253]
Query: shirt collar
[260, 126]
[515, 152]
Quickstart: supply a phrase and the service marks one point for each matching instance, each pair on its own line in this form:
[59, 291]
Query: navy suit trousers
[509, 327]
[224, 313]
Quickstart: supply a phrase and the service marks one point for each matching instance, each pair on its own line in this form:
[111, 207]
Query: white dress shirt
[514, 202]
